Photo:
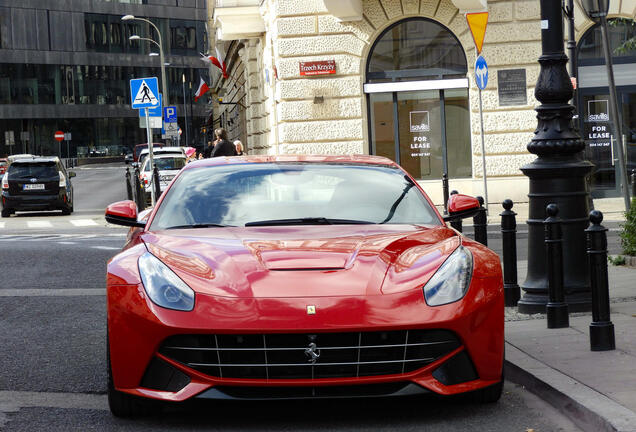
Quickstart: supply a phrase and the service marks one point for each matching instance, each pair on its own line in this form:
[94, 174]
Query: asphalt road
[52, 347]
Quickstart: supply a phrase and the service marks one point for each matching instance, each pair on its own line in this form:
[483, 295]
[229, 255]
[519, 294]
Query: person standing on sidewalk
[223, 147]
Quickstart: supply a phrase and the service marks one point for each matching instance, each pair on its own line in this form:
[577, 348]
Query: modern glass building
[67, 65]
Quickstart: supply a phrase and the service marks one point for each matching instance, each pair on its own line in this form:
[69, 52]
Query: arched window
[622, 36]
[418, 99]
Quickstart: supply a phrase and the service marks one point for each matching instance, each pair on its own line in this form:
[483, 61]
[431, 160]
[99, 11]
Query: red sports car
[300, 277]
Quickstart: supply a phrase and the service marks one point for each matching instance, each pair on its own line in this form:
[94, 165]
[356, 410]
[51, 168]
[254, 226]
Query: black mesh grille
[289, 356]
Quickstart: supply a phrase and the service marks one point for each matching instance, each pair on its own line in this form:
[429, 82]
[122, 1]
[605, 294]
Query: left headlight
[163, 286]
[451, 281]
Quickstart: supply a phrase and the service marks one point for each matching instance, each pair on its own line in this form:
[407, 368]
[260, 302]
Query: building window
[418, 100]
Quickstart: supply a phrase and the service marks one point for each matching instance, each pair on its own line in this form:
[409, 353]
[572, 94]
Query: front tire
[6, 213]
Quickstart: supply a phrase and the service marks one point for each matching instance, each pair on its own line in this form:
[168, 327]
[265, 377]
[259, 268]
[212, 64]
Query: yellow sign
[477, 23]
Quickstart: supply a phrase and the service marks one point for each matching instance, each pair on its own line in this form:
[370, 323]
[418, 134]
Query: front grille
[310, 356]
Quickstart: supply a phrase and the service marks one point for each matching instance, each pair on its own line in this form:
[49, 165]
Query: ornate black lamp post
[596, 10]
[556, 176]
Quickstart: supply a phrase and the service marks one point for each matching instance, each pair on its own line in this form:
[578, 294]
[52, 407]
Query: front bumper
[35, 202]
[137, 329]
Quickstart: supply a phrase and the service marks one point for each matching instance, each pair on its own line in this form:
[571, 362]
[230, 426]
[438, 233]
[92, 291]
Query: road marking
[83, 222]
[10, 401]
[41, 292]
[39, 224]
[67, 243]
[1, 224]
[105, 248]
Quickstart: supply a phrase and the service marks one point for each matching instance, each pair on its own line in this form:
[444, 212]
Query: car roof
[35, 159]
[348, 159]
[163, 150]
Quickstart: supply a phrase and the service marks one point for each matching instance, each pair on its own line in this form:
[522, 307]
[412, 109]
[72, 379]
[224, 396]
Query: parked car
[139, 147]
[179, 151]
[128, 158]
[37, 183]
[3, 165]
[283, 277]
[168, 166]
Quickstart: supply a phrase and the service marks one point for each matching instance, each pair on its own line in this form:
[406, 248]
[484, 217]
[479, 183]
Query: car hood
[303, 261]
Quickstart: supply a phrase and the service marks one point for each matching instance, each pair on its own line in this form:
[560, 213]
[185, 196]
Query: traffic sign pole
[150, 155]
[481, 79]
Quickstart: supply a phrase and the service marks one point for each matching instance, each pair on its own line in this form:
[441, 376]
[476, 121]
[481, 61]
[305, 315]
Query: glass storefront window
[416, 49]
[425, 131]
[622, 36]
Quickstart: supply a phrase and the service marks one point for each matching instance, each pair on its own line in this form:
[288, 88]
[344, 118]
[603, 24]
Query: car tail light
[5, 181]
[62, 179]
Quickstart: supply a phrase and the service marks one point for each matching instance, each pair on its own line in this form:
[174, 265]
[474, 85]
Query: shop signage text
[325, 67]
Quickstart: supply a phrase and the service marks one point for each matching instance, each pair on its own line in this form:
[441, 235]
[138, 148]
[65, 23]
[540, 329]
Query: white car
[156, 151]
[167, 164]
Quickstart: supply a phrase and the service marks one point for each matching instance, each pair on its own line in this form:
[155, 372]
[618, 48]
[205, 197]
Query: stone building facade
[364, 106]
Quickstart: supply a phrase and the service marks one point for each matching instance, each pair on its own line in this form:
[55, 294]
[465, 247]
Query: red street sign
[59, 135]
[325, 67]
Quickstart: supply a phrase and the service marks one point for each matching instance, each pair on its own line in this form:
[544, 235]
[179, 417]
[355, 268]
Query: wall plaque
[512, 88]
[325, 67]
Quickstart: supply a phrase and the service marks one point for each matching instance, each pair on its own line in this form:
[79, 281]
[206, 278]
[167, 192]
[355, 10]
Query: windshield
[37, 170]
[240, 194]
[164, 164]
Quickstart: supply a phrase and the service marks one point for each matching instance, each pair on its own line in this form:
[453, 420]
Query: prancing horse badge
[311, 310]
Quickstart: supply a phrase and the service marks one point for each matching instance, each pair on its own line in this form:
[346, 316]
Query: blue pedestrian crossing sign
[144, 93]
[481, 72]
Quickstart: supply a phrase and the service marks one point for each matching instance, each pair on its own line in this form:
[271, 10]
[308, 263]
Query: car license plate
[37, 186]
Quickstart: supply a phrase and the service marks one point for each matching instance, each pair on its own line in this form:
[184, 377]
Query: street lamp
[164, 87]
[596, 10]
[556, 176]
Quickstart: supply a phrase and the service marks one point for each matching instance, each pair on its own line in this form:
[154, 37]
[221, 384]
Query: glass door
[599, 139]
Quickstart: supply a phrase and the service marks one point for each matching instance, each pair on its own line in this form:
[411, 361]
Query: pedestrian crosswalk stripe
[1, 225]
[39, 224]
[83, 222]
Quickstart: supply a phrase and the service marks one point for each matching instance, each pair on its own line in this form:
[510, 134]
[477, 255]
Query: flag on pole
[217, 61]
[203, 89]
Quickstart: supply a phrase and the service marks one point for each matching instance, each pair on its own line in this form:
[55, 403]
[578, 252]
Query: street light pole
[164, 86]
[185, 110]
[556, 176]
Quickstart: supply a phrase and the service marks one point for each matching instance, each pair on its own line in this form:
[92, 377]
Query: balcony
[238, 19]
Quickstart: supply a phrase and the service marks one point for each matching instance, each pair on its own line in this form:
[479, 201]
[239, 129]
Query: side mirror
[123, 213]
[71, 174]
[461, 207]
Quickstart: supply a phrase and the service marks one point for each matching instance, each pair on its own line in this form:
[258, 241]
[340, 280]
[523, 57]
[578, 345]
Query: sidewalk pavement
[596, 390]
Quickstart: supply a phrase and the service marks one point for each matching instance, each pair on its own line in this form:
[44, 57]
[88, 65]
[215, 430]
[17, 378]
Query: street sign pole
[483, 151]
[150, 155]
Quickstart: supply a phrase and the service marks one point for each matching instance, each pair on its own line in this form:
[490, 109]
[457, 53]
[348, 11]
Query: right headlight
[163, 286]
[451, 281]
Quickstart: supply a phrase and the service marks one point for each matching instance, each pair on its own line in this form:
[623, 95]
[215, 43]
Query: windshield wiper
[199, 225]
[308, 221]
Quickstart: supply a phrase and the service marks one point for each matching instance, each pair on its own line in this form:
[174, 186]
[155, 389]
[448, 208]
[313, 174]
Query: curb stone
[588, 409]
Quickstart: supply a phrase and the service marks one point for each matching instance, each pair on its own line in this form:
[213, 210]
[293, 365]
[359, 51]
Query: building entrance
[418, 100]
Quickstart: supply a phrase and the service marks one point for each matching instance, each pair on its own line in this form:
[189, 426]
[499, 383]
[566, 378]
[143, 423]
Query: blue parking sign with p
[144, 93]
[170, 114]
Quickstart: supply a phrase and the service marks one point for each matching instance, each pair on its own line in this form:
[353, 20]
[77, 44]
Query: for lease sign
[324, 67]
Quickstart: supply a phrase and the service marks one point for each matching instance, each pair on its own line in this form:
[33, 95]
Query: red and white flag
[217, 61]
[203, 89]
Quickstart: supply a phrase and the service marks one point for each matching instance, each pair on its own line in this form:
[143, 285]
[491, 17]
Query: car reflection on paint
[300, 277]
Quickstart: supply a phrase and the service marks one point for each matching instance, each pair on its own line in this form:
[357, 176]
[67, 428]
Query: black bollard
[140, 196]
[129, 190]
[445, 191]
[601, 328]
[512, 293]
[155, 183]
[480, 223]
[634, 183]
[557, 308]
[456, 223]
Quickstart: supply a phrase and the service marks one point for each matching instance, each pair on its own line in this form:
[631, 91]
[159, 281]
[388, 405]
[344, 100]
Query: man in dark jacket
[223, 147]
